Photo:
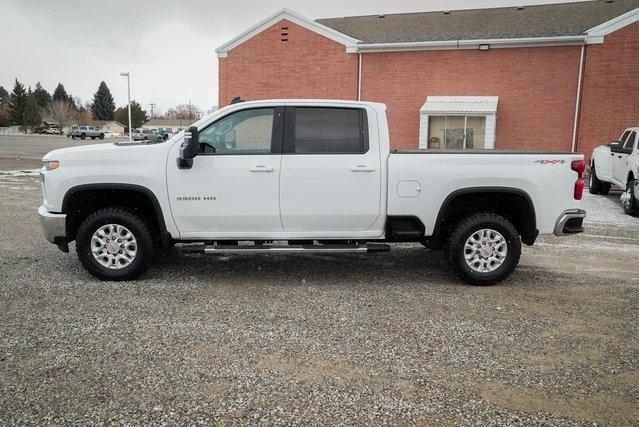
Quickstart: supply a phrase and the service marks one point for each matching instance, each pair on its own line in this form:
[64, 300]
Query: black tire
[101, 136]
[83, 136]
[455, 248]
[136, 225]
[595, 186]
[632, 207]
[93, 137]
[593, 182]
[146, 139]
[72, 137]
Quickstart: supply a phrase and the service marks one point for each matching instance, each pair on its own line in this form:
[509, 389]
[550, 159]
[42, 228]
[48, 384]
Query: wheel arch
[465, 201]
[81, 200]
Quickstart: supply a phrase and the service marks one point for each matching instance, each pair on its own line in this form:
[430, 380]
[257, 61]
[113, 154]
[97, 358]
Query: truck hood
[104, 151]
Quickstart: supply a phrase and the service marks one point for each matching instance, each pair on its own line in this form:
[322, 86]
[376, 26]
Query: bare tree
[61, 111]
[184, 112]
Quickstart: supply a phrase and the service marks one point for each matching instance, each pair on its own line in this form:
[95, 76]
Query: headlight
[51, 165]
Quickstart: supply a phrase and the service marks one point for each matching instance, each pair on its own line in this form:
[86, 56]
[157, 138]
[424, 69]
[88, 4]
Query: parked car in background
[166, 134]
[84, 132]
[618, 164]
[146, 135]
[325, 181]
[50, 131]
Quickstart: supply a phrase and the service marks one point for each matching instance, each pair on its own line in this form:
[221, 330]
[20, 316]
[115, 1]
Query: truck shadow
[403, 265]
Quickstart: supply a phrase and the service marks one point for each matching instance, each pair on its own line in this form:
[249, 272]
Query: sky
[168, 46]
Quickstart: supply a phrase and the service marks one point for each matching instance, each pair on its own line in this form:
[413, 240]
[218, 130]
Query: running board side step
[200, 248]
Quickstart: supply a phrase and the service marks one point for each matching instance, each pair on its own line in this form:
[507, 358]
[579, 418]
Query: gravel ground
[299, 339]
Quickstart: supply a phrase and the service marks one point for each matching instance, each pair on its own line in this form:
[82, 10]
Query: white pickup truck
[303, 176]
[618, 164]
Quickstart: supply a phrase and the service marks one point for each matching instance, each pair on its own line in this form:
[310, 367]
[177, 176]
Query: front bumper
[54, 225]
[570, 222]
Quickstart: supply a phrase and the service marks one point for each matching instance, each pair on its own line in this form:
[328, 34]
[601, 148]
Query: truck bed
[420, 181]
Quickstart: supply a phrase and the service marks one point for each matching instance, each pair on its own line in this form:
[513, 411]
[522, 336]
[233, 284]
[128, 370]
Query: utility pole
[128, 85]
[152, 107]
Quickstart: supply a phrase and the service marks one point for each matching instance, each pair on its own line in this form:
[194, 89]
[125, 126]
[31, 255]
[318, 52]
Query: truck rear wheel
[114, 244]
[483, 249]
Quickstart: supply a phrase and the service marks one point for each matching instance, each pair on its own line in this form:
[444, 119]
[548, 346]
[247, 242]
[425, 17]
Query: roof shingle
[562, 19]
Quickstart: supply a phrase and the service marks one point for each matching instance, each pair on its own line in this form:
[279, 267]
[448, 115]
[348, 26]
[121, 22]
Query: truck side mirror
[189, 148]
[615, 146]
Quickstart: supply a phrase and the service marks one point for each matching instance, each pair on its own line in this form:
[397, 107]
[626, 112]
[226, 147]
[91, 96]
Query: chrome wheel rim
[114, 246]
[485, 250]
[625, 198]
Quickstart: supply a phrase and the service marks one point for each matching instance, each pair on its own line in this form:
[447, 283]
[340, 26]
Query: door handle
[362, 168]
[261, 168]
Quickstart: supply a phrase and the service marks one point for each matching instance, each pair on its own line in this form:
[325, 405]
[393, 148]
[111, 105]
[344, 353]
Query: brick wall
[536, 86]
[610, 100]
[307, 65]
[537, 90]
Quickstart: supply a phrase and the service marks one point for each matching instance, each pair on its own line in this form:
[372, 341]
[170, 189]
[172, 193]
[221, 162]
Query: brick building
[558, 77]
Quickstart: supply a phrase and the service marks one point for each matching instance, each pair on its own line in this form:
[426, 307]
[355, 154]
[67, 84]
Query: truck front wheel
[483, 249]
[629, 201]
[595, 186]
[114, 244]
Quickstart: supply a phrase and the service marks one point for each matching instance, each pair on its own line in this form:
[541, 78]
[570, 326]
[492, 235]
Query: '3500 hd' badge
[196, 198]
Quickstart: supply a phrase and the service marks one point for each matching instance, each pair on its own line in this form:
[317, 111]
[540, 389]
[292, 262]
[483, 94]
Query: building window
[457, 132]
[458, 122]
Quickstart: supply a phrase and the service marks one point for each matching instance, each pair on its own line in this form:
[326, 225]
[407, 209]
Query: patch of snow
[607, 210]
[595, 247]
[19, 173]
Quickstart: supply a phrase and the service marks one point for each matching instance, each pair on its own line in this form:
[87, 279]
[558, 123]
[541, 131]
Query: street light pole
[128, 85]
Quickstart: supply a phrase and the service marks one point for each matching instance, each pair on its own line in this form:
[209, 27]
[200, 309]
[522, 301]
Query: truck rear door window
[320, 130]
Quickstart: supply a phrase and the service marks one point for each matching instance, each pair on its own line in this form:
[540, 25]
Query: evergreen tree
[31, 113]
[42, 96]
[138, 115]
[4, 97]
[60, 93]
[103, 106]
[17, 102]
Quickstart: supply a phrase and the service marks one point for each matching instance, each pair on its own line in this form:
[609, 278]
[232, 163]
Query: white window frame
[489, 137]
[490, 117]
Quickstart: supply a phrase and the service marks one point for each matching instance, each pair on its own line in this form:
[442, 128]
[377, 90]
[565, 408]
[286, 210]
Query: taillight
[579, 166]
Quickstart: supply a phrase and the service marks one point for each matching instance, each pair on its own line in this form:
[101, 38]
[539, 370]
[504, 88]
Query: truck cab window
[329, 131]
[629, 144]
[242, 132]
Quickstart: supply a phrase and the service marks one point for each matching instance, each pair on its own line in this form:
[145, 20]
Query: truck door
[620, 159]
[331, 172]
[232, 189]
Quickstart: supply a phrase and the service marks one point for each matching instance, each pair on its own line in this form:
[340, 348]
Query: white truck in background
[618, 164]
[316, 174]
